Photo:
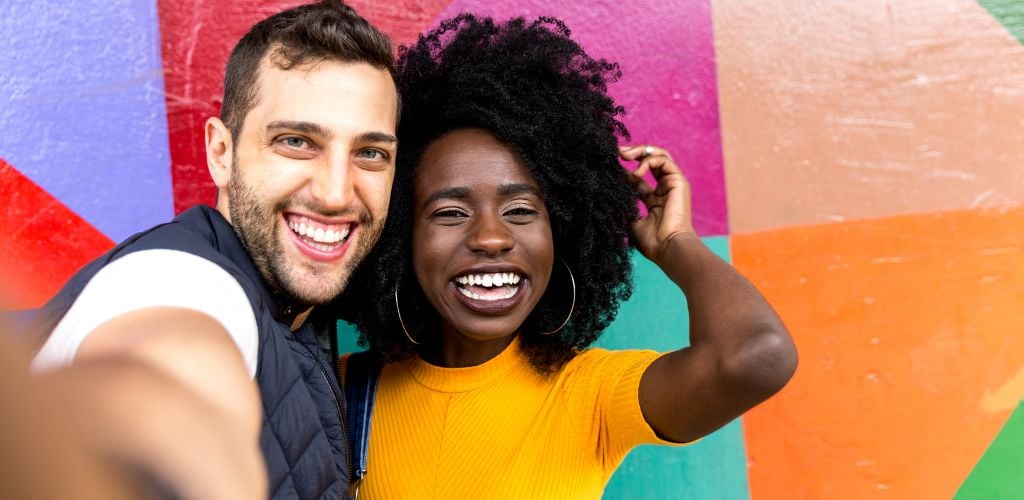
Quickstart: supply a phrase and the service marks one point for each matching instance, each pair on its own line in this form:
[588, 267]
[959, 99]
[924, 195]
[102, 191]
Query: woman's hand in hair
[667, 202]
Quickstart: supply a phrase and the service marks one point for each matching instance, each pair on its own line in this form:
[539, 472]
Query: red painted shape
[402, 20]
[196, 39]
[43, 241]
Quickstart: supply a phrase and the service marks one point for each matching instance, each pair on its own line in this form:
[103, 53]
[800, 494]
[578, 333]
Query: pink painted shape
[668, 84]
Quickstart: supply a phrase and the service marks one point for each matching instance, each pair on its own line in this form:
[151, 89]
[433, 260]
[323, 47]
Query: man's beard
[256, 226]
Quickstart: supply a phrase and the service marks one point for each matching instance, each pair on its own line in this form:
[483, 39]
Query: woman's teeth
[505, 293]
[489, 287]
[489, 280]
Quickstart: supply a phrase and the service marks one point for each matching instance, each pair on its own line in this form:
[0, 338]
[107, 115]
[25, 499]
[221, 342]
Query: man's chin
[316, 282]
[315, 294]
[315, 287]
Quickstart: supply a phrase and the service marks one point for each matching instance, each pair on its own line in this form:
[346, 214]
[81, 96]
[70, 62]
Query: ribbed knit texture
[499, 430]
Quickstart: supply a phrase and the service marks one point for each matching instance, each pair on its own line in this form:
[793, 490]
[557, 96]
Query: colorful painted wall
[862, 162]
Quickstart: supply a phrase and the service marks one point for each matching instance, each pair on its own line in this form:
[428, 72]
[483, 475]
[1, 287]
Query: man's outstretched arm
[166, 390]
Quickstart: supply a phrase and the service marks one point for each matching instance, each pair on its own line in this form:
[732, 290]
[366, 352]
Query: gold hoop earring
[571, 307]
[399, 311]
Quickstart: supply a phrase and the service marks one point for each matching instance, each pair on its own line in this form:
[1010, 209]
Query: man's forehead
[325, 91]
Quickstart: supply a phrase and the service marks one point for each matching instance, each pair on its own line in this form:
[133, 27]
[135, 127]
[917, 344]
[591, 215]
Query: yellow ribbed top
[499, 430]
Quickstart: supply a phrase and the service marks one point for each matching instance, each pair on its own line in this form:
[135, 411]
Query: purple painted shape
[82, 107]
[668, 85]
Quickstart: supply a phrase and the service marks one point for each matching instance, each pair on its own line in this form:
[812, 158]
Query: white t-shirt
[154, 278]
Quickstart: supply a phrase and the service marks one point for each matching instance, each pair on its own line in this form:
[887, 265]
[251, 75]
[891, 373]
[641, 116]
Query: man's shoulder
[199, 231]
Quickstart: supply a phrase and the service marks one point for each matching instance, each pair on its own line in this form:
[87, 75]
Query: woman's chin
[485, 335]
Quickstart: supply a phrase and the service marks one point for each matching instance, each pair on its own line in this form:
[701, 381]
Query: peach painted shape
[841, 110]
[910, 334]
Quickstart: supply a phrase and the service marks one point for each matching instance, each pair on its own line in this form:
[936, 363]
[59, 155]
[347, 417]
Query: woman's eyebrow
[507, 189]
[455, 193]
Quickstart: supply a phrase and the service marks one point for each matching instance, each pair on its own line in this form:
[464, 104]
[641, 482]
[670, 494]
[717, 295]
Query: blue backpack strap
[362, 373]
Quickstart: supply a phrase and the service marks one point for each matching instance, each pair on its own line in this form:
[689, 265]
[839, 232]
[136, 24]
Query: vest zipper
[341, 411]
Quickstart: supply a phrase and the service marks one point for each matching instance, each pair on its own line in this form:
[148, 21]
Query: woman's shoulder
[597, 361]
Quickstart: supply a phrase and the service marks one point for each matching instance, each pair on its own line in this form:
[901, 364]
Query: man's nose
[332, 183]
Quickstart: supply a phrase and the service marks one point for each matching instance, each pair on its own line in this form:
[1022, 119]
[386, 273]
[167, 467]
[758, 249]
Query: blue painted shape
[655, 317]
[82, 107]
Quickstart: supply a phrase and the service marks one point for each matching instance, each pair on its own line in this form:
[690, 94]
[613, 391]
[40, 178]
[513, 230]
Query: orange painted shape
[43, 242]
[911, 338]
[834, 111]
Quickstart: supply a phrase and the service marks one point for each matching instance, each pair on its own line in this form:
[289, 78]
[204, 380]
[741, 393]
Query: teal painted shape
[1000, 472]
[347, 338]
[655, 317]
[1010, 13]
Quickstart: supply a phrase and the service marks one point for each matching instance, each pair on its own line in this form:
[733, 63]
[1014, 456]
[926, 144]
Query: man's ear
[218, 152]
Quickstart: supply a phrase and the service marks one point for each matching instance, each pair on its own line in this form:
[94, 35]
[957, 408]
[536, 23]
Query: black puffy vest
[303, 436]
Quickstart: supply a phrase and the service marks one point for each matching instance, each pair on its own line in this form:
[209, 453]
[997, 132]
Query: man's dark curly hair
[534, 89]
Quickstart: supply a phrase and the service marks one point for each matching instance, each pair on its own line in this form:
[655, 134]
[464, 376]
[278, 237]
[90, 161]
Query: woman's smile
[490, 291]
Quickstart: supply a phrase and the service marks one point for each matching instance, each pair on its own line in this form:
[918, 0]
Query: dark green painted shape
[1000, 472]
[1010, 13]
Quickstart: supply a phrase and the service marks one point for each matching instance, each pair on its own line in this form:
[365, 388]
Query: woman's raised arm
[740, 353]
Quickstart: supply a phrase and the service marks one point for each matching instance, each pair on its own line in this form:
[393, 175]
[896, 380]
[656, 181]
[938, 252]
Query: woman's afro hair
[534, 89]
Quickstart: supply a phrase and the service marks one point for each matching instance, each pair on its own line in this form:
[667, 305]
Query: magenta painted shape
[668, 86]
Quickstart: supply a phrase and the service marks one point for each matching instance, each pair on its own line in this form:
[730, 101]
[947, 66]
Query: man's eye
[372, 154]
[295, 142]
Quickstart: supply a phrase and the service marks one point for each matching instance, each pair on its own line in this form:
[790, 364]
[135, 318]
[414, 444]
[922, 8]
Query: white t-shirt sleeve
[154, 278]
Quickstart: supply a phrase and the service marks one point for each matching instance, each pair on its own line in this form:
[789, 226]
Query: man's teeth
[489, 280]
[319, 234]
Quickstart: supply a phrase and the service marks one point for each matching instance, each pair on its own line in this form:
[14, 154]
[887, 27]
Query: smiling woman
[505, 255]
[478, 217]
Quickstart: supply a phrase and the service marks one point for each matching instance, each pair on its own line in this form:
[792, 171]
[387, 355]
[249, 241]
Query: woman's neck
[458, 351]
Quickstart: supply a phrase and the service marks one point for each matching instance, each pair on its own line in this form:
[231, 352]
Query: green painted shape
[1010, 13]
[1000, 472]
[655, 317]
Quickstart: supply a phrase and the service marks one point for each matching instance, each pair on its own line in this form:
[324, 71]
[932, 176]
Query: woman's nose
[490, 236]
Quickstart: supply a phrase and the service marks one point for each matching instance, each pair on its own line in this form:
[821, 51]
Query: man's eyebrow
[452, 193]
[378, 137]
[507, 189]
[299, 126]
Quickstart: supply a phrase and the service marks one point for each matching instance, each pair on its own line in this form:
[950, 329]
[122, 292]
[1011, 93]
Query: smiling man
[196, 349]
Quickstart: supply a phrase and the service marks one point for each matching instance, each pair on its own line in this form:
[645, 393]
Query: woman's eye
[450, 213]
[520, 211]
